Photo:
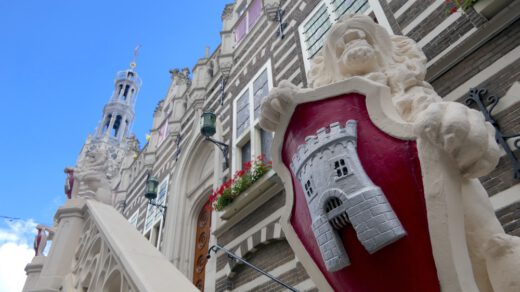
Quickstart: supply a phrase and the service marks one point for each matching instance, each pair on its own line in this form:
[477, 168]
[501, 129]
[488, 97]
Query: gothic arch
[193, 180]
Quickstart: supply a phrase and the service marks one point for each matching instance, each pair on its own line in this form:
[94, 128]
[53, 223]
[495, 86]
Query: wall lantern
[207, 129]
[151, 191]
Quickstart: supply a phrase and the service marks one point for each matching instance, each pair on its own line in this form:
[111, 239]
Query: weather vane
[136, 52]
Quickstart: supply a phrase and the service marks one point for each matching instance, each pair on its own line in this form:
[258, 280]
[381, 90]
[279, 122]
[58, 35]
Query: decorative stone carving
[95, 263]
[228, 11]
[271, 8]
[69, 181]
[94, 177]
[340, 193]
[133, 144]
[455, 146]
[40, 240]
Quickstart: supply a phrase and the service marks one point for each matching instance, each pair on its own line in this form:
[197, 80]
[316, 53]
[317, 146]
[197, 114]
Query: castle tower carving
[339, 193]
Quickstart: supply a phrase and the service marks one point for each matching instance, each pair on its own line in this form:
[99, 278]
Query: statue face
[353, 50]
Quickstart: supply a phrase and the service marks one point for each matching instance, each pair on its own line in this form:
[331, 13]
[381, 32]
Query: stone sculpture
[40, 240]
[93, 177]
[358, 47]
[69, 181]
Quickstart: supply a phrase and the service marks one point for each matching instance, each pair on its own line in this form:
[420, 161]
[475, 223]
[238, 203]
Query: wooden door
[201, 246]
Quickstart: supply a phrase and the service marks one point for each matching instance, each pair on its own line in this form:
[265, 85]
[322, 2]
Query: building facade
[262, 43]
[475, 48]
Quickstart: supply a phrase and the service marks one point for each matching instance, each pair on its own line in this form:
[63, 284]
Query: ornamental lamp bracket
[151, 192]
[486, 103]
[208, 129]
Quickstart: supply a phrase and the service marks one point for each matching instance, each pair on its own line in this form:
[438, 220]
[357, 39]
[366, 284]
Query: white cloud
[15, 253]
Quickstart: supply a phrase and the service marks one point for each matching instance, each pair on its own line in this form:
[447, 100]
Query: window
[248, 139]
[248, 20]
[314, 29]
[163, 132]
[340, 168]
[308, 188]
[133, 219]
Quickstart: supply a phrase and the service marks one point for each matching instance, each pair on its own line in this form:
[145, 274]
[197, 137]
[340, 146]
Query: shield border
[443, 204]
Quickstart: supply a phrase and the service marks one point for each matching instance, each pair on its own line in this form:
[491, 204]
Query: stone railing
[96, 249]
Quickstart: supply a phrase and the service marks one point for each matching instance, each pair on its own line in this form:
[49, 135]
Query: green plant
[242, 179]
[454, 5]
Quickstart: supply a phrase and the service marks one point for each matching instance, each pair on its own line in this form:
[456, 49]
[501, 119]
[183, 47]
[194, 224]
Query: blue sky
[58, 59]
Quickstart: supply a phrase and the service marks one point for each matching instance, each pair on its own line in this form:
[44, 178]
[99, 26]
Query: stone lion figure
[356, 46]
[92, 175]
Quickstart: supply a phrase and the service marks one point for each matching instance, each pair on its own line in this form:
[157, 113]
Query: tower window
[107, 123]
[117, 124]
[340, 168]
[308, 189]
[127, 88]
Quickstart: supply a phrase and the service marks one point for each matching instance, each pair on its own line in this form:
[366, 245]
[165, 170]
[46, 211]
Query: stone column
[33, 270]
[111, 125]
[59, 261]
[122, 128]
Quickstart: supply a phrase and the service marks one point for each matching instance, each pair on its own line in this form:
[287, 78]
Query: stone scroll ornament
[370, 136]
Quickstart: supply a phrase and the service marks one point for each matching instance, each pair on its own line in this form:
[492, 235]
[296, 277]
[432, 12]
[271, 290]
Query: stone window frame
[332, 16]
[341, 166]
[162, 128]
[154, 219]
[253, 132]
[309, 188]
[332, 162]
[243, 11]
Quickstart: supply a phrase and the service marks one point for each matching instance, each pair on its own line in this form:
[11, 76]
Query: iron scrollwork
[486, 104]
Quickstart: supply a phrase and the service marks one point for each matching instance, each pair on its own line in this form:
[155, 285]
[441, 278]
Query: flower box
[253, 197]
[489, 8]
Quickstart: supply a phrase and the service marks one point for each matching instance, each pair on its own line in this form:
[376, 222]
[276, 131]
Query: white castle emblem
[339, 192]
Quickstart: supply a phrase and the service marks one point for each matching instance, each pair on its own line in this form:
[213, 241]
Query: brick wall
[396, 4]
[266, 257]
[510, 218]
[254, 218]
[417, 8]
[501, 178]
[477, 61]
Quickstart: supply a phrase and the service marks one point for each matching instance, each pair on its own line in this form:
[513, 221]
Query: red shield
[393, 165]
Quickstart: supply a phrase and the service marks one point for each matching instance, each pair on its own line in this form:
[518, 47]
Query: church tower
[112, 135]
[118, 113]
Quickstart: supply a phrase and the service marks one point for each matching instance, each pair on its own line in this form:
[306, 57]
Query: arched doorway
[201, 246]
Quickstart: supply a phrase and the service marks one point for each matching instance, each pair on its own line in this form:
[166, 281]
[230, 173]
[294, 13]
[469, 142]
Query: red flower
[453, 10]
[213, 197]
[246, 166]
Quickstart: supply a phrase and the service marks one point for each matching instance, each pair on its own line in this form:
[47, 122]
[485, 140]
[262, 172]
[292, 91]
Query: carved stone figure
[454, 142]
[69, 181]
[40, 240]
[93, 177]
